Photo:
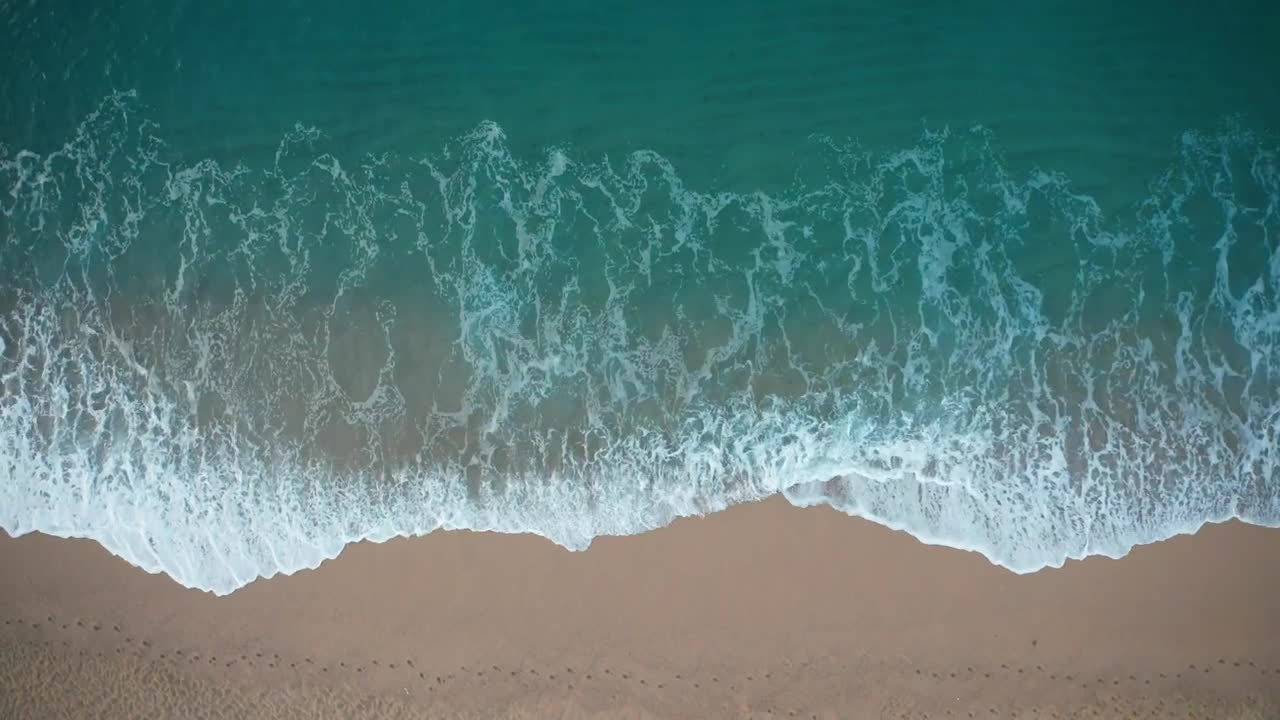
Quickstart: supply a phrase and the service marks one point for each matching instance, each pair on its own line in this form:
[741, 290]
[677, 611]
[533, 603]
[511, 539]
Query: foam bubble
[223, 373]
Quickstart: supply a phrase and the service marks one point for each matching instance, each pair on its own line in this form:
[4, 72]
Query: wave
[223, 371]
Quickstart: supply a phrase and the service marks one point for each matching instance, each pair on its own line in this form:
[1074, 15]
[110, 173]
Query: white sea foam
[227, 373]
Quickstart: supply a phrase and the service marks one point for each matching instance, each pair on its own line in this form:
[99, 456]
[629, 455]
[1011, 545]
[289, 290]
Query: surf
[227, 371]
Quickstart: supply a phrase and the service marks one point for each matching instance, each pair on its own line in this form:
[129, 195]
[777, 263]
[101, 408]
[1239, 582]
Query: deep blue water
[276, 279]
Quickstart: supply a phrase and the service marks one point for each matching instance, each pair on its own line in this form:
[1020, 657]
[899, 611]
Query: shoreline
[761, 610]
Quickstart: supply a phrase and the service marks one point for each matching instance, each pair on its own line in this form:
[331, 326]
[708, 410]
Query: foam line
[225, 373]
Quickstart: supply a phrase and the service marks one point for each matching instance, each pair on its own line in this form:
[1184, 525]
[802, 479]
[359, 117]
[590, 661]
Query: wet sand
[763, 611]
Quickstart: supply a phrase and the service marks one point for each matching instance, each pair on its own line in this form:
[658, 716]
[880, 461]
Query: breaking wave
[223, 371]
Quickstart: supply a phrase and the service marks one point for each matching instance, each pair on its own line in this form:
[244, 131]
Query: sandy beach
[762, 611]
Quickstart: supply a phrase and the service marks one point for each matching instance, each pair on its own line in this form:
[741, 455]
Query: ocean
[276, 278]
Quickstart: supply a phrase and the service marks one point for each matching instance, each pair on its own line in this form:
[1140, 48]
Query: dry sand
[763, 611]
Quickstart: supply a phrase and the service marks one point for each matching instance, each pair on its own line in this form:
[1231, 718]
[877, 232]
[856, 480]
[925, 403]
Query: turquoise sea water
[278, 278]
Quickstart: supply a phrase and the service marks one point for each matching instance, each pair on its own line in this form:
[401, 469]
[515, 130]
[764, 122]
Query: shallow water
[276, 281]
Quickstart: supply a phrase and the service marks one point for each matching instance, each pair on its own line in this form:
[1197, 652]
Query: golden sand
[763, 611]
